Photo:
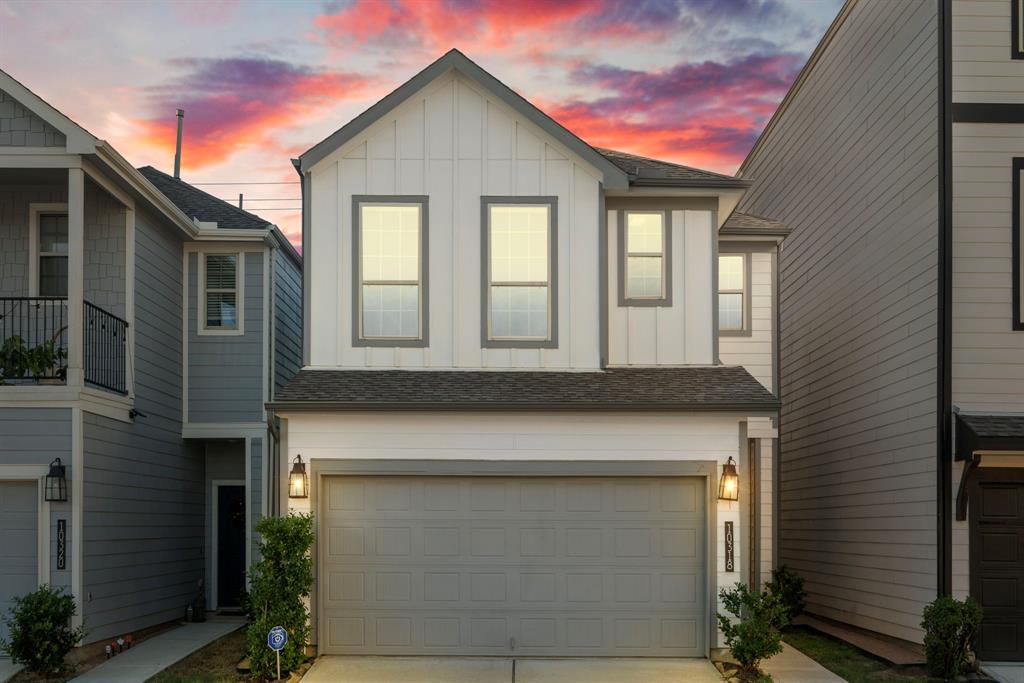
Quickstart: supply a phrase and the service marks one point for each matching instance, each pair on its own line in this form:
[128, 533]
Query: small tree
[752, 631]
[949, 627]
[40, 634]
[788, 587]
[278, 583]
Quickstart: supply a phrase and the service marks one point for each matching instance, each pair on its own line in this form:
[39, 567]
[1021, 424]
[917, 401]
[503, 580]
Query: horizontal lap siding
[755, 352]
[143, 519]
[983, 70]
[851, 167]
[287, 319]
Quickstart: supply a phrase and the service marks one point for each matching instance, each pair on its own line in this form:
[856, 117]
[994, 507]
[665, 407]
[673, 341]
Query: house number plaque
[62, 543]
[730, 560]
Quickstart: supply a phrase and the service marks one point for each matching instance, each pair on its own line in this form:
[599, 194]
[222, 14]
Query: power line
[252, 183]
[260, 199]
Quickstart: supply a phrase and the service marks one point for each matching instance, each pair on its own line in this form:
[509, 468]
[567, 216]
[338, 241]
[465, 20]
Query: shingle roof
[200, 205]
[647, 171]
[988, 433]
[748, 224]
[683, 388]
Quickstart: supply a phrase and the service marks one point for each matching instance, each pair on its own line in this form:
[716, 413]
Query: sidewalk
[793, 666]
[155, 654]
[7, 669]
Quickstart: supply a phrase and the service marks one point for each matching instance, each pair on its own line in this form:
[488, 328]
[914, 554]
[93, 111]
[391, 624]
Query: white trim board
[201, 329]
[35, 473]
[214, 485]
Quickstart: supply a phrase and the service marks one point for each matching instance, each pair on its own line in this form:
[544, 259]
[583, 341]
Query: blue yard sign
[276, 640]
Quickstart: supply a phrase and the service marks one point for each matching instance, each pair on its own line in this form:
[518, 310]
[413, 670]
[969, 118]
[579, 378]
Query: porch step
[893, 650]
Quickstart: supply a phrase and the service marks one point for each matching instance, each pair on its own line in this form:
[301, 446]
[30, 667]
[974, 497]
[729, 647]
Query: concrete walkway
[7, 669]
[793, 666]
[155, 654]
[1005, 672]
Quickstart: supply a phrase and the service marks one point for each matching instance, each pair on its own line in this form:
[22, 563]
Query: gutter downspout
[275, 460]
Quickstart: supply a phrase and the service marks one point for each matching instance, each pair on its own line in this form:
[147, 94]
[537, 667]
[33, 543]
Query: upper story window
[390, 244]
[53, 254]
[220, 276]
[519, 259]
[1017, 29]
[644, 269]
[733, 294]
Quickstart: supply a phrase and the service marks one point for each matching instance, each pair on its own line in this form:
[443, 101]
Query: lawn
[214, 663]
[847, 661]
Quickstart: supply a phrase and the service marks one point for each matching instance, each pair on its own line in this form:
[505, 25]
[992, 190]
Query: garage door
[19, 570]
[499, 566]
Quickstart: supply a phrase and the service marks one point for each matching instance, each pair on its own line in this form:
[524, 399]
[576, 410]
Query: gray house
[896, 160]
[158, 321]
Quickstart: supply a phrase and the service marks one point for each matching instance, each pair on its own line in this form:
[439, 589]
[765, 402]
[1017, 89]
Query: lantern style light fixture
[729, 484]
[55, 489]
[298, 481]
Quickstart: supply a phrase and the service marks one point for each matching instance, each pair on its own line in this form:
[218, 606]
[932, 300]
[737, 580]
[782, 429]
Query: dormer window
[390, 266]
[644, 267]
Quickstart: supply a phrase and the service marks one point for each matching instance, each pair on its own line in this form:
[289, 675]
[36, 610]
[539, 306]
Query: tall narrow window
[390, 238]
[645, 267]
[220, 291]
[732, 293]
[519, 273]
[1017, 246]
[53, 254]
[1017, 29]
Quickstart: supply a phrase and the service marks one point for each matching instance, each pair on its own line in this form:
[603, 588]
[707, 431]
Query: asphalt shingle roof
[748, 224]
[200, 205]
[684, 388]
[995, 426]
[641, 169]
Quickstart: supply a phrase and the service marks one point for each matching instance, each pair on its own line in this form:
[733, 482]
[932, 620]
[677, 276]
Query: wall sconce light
[298, 481]
[729, 484]
[55, 489]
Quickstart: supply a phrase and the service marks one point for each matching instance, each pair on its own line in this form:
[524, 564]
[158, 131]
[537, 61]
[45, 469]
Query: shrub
[788, 587]
[752, 632]
[40, 634]
[949, 627]
[277, 585]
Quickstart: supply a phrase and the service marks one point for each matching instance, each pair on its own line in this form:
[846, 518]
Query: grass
[214, 663]
[847, 661]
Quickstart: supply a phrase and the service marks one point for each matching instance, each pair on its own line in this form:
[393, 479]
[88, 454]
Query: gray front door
[19, 521]
[513, 566]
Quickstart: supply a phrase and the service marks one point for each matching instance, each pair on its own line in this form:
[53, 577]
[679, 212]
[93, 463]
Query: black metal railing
[106, 343]
[33, 338]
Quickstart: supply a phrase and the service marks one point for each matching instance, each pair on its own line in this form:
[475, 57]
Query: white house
[512, 410]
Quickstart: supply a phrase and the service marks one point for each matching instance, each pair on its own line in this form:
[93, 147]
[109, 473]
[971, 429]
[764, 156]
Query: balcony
[34, 343]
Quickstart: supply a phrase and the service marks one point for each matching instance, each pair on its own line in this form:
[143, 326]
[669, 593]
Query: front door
[997, 561]
[230, 545]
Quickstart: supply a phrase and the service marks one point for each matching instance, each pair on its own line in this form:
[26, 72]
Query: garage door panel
[19, 529]
[544, 566]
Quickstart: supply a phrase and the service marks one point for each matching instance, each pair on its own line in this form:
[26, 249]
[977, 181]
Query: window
[1017, 246]
[390, 243]
[221, 302]
[519, 272]
[732, 293]
[53, 254]
[644, 269]
[1017, 29]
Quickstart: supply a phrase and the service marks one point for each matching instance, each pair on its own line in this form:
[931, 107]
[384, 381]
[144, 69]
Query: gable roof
[77, 139]
[614, 177]
[748, 224]
[202, 206]
[721, 388]
[647, 172]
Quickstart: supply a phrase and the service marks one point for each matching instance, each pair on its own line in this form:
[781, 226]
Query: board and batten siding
[143, 550]
[35, 436]
[754, 351]
[454, 143]
[225, 372]
[852, 167]
[530, 437]
[983, 70]
[680, 332]
[287, 282]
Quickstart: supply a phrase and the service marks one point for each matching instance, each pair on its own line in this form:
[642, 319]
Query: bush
[39, 630]
[277, 585]
[949, 627]
[752, 632]
[788, 587]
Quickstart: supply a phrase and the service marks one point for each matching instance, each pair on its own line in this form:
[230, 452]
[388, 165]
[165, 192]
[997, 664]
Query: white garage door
[19, 568]
[500, 566]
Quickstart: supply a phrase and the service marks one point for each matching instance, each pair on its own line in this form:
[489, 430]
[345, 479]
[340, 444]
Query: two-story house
[512, 423]
[896, 160]
[143, 326]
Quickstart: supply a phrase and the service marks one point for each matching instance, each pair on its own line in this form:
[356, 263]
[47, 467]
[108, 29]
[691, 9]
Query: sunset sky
[692, 81]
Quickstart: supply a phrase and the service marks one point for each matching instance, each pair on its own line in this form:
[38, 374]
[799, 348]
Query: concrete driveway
[329, 669]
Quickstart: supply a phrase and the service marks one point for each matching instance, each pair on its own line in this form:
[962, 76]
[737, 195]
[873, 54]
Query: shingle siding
[19, 127]
[851, 167]
[14, 217]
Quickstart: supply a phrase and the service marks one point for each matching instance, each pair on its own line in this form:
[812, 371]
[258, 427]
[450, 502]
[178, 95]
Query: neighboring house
[511, 411]
[896, 159]
[155, 412]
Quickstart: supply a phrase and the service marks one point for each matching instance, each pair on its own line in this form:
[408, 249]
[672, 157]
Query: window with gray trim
[1017, 246]
[1017, 29]
[220, 291]
[53, 254]
[390, 245]
[519, 275]
[733, 292]
[645, 258]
